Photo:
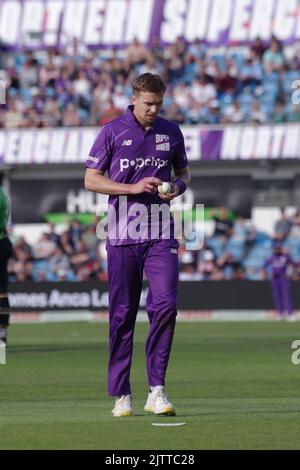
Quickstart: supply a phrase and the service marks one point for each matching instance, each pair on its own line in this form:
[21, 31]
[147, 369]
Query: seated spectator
[233, 114]
[239, 230]
[174, 113]
[181, 96]
[257, 115]
[223, 225]
[227, 80]
[207, 264]
[80, 257]
[195, 114]
[119, 99]
[295, 227]
[187, 270]
[65, 243]
[202, 92]
[71, 117]
[251, 73]
[59, 264]
[282, 226]
[294, 115]
[44, 248]
[232, 268]
[213, 113]
[279, 115]
[137, 53]
[273, 59]
[109, 113]
[257, 49]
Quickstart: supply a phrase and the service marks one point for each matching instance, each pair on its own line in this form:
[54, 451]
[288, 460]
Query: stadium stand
[75, 87]
[74, 253]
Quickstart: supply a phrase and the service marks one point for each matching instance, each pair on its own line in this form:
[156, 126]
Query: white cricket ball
[164, 188]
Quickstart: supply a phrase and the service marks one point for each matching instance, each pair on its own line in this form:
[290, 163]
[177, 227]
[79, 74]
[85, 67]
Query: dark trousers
[5, 254]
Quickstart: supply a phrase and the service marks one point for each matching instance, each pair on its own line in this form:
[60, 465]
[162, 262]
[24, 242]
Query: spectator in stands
[12, 117]
[207, 263]
[231, 267]
[43, 86]
[223, 225]
[80, 257]
[213, 113]
[257, 115]
[203, 92]
[295, 227]
[44, 248]
[279, 116]
[65, 242]
[252, 73]
[273, 58]
[187, 267]
[174, 113]
[294, 115]
[59, 265]
[227, 82]
[195, 114]
[71, 117]
[137, 53]
[282, 226]
[233, 114]
[120, 101]
[257, 49]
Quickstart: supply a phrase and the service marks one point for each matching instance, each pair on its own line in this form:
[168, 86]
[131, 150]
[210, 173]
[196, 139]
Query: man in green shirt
[5, 254]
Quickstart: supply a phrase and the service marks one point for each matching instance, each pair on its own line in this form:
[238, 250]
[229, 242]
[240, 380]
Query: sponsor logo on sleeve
[93, 159]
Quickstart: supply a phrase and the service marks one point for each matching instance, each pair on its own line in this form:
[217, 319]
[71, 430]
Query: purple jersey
[279, 264]
[129, 153]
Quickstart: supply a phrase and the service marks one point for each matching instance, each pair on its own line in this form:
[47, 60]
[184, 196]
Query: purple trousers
[159, 260]
[282, 295]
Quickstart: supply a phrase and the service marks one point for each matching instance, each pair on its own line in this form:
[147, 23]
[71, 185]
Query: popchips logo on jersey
[141, 162]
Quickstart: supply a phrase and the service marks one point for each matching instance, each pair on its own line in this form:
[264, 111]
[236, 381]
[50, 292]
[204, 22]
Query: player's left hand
[171, 195]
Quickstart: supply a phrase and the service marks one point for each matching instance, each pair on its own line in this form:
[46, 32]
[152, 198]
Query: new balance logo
[127, 143]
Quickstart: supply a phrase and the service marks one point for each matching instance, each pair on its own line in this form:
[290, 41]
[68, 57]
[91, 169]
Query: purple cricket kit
[280, 282]
[129, 153]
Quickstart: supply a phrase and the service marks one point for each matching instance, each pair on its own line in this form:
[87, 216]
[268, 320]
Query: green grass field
[233, 384]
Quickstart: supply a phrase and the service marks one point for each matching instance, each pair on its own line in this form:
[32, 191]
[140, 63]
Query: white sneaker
[123, 406]
[290, 318]
[158, 403]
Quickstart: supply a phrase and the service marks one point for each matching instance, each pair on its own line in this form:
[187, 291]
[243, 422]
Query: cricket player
[5, 254]
[279, 263]
[138, 151]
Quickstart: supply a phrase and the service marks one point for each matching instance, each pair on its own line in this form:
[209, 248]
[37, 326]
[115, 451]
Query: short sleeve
[180, 158]
[100, 154]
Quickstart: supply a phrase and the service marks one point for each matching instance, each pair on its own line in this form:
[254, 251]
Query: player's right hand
[146, 185]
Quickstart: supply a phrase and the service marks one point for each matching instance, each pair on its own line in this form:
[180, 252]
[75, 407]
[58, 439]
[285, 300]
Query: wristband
[181, 185]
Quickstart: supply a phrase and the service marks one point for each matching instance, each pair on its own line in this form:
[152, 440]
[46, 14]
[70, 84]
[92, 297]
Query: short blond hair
[148, 82]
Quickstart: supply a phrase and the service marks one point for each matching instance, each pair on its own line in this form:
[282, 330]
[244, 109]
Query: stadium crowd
[234, 250]
[80, 87]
